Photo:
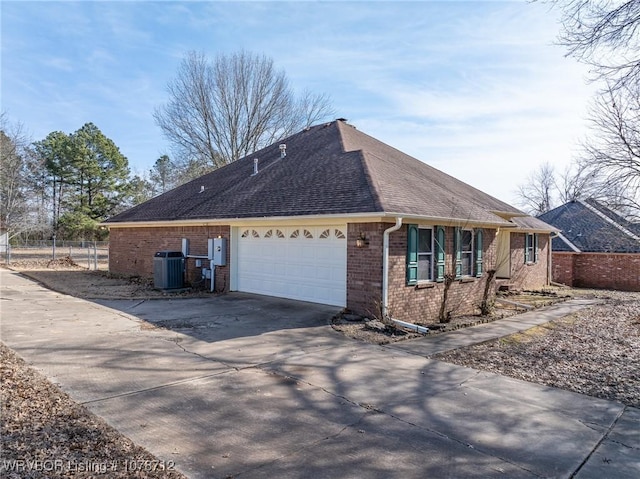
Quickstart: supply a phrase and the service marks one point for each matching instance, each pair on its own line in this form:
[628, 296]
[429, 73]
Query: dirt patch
[64, 276]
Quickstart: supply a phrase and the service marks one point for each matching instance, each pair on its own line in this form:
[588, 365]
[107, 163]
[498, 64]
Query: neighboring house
[334, 216]
[596, 247]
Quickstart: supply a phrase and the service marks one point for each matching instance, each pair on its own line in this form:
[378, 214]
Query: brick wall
[418, 304]
[529, 275]
[364, 268]
[131, 250]
[421, 303]
[619, 271]
[562, 266]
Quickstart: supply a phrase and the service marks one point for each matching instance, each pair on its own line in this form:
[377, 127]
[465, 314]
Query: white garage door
[308, 263]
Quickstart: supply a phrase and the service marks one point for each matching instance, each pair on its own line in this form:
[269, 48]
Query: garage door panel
[324, 273]
[303, 265]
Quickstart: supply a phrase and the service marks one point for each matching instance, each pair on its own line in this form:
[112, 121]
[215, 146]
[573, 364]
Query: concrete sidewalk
[431, 345]
[251, 387]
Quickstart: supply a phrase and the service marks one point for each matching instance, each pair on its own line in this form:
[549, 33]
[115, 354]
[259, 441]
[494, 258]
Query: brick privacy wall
[562, 267]
[131, 250]
[416, 304]
[620, 271]
[529, 275]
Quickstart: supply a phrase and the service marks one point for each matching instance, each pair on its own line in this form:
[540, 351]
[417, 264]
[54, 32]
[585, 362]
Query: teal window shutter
[535, 247]
[478, 252]
[412, 254]
[457, 242]
[440, 253]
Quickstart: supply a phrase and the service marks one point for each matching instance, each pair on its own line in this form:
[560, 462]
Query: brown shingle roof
[331, 168]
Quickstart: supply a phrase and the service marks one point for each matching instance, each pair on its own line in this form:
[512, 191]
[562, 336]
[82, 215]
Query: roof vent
[342, 119]
[283, 150]
[201, 189]
[255, 167]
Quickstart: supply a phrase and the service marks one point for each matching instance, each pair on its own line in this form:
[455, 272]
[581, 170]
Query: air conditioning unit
[168, 270]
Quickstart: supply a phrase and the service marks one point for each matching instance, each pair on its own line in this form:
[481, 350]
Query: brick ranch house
[595, 248]
[334, 216]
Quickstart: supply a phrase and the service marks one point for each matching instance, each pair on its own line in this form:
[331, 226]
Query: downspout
[550, 258]
[385, 266]
[385, 281]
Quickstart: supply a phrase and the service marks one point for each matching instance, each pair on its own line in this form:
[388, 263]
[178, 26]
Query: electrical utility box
[217, 253]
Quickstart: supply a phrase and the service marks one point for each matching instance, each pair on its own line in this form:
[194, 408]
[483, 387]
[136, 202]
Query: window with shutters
[531, 248]
[468, 252]
[420, 254]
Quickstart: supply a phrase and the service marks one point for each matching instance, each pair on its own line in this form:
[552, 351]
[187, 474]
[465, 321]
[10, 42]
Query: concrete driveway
[246, 386]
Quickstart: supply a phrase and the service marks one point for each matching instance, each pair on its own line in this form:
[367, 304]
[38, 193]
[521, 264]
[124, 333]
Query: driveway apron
[247, 386]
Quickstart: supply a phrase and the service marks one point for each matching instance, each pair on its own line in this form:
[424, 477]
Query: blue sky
[477, 89]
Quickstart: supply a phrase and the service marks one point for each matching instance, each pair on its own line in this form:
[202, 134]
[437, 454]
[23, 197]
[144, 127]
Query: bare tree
[605, 35]
[612, 152]
[222, 110]
[574, 183]
[14, 211]
[536, 195]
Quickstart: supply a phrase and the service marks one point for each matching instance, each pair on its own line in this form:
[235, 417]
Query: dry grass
[595, 351]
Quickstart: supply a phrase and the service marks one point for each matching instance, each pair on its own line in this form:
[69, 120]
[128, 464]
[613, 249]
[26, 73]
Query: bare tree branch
[535, 196]
[222, 110]
[14, 207]
[604, 34]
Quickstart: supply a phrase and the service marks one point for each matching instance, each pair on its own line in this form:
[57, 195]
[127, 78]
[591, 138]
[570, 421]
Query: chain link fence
[92, 255]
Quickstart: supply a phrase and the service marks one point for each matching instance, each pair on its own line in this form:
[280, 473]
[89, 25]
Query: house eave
[373, 217]
[308, 219]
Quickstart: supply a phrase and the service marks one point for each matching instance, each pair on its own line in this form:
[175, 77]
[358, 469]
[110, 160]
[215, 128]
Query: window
[425, 254]
[478, 250]
[420, 254]
[468, 252]
[531, 248]
[440, 243]
[270, 233]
